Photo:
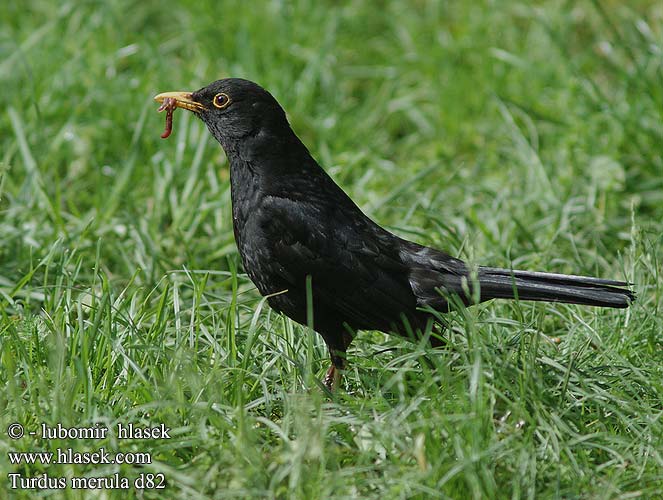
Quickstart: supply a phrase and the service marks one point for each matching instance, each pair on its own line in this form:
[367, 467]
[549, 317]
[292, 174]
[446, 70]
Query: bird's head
[231, 108]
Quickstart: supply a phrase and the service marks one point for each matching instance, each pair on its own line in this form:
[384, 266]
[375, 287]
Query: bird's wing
[355, 266]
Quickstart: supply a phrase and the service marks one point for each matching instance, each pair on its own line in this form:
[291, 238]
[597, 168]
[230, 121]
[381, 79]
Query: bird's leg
[333, 375]
[332, 378]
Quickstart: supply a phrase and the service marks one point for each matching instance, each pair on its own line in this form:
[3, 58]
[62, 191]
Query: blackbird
[300, 235]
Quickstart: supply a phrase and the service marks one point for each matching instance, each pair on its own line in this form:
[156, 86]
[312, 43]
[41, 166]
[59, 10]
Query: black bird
[294, 224]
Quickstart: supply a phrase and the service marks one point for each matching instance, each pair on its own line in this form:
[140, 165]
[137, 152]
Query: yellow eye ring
[221, 100]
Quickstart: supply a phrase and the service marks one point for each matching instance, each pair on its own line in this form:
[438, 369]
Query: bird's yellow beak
[182, 100]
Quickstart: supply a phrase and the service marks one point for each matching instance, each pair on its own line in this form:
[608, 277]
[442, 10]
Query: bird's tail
[498, 283]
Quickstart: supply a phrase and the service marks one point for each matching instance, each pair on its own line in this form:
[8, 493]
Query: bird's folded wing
[355, 268]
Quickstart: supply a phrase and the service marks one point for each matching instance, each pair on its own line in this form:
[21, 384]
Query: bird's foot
[332, 378]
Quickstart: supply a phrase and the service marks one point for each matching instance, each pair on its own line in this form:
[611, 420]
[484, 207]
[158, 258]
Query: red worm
[169, 104]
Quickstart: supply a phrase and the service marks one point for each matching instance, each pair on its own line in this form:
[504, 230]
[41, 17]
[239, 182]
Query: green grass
[502, 132]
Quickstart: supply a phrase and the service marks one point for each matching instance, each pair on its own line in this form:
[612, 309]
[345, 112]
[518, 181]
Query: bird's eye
[221, 100]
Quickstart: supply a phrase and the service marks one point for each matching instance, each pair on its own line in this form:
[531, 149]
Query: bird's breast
[249, 220]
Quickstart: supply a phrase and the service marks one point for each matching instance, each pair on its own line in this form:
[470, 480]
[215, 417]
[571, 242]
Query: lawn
[506, 133]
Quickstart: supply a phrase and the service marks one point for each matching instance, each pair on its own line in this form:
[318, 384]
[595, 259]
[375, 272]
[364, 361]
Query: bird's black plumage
[292, 221]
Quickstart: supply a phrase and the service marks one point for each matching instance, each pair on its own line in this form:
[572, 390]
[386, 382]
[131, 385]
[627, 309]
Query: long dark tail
[498, 283]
